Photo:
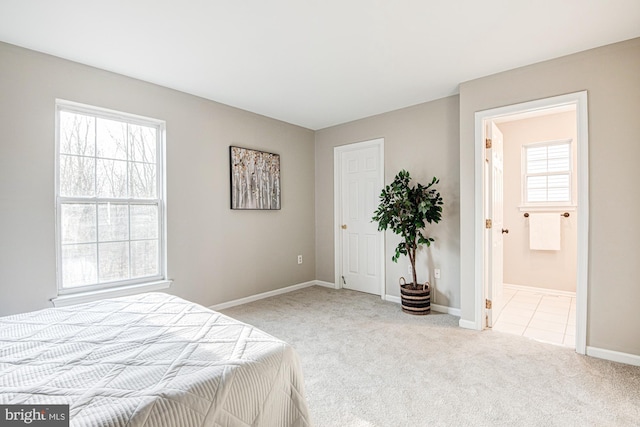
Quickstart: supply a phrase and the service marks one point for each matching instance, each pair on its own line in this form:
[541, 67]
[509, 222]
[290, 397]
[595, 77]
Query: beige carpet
[366, 363]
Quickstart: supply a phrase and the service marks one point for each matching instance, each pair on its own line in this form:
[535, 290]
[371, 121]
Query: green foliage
[406, 211]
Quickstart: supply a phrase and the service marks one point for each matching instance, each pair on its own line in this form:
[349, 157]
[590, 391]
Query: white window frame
[73, 295]
[524, 203]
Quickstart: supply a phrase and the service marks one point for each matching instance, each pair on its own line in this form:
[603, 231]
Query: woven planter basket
[415, 301]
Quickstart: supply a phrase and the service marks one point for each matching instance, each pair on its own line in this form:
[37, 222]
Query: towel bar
[566, 214]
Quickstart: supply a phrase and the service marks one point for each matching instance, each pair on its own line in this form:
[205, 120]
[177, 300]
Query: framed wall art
[255, 179]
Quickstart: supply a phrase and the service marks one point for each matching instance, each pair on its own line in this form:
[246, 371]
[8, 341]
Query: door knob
[344, 226]
[505, 230]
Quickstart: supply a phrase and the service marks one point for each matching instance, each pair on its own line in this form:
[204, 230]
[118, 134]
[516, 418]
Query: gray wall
[424, 140]
[611, 76]
[214, 254]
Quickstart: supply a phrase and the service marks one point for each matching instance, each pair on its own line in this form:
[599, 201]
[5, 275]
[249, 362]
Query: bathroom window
[547, 173]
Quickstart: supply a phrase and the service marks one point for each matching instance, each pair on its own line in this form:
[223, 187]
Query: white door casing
[495, 212]
[359, 244]
[579, 99]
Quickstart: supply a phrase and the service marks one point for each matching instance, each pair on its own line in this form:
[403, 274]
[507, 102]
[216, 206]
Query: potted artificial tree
[406, 210]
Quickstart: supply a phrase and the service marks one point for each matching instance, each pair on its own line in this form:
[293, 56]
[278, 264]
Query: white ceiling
[315, 63]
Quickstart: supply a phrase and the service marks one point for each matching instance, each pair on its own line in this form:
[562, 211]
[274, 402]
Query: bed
[150, 360]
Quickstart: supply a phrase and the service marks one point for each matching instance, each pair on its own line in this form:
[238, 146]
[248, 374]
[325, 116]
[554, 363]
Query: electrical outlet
[436, 273]
[299, 259]
[410, 270]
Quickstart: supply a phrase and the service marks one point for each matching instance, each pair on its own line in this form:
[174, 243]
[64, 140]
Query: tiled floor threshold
[535, 313]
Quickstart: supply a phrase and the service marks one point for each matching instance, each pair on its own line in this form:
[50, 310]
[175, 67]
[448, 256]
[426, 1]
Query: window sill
[82, 297]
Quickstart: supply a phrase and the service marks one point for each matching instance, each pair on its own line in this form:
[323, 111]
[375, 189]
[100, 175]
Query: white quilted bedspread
[150, 360]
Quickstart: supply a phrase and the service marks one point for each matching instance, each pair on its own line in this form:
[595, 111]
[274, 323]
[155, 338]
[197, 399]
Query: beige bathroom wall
[522, 266]
[214, 254]
[424, 140]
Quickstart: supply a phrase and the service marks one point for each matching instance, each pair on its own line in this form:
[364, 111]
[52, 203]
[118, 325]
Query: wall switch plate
[299, 259]
[436, 273]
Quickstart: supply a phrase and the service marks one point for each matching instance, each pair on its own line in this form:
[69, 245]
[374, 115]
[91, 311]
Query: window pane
[537, 166]
[77, 134]
[78, 223]
[111, 142]
[559, 164]
[142, 182]
[557, 181]
[144, 258]
[113, 222]
[78, 265]
[536, 159]
[537, 182]
[558, 195]
[77, 176]
[536, 153]
[536, 188]
[144, 222]
[537, 195]
[112, 178]
[114, 261]
[558, 188]
[558, 151]
[142, 144]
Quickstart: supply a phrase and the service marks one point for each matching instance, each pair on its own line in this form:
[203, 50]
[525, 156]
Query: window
[547, 173]
[109, 201]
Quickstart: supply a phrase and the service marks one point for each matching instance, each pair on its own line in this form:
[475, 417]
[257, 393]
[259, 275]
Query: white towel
[544, 231]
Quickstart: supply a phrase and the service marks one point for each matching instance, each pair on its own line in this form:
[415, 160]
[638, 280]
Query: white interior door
[495, 166]
[361, 242]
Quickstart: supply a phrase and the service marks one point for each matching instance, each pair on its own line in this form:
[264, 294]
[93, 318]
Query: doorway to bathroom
[534, 209]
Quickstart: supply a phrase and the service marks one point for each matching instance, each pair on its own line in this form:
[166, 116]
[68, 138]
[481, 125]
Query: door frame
[337, 207]
[579, 99]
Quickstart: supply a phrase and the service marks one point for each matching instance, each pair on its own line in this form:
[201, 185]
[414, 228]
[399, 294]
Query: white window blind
[109, 198]
[547, 177]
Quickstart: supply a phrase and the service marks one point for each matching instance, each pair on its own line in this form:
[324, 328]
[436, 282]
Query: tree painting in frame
[255, 179]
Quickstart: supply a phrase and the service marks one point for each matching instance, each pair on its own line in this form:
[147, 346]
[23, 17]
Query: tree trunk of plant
[411, 252]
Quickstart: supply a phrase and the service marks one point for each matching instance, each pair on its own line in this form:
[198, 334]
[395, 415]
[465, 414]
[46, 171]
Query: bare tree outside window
[108, 199]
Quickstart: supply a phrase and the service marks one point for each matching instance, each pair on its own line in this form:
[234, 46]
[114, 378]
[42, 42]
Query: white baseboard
[434, 307]
[391, 298]
[326, 284]
[467, 324]
[446, 309]
[539, 290]
[614, 356]
[252, 298]
[263, 295]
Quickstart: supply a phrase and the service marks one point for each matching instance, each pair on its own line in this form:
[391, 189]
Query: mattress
[150, 360]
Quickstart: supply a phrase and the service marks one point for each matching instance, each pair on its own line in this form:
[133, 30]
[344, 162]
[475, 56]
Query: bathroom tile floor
[538, 315]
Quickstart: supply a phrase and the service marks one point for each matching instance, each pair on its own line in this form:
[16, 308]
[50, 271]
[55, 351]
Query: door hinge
[487, 304]
[487, 143]
[343, 280]
[487, 223]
